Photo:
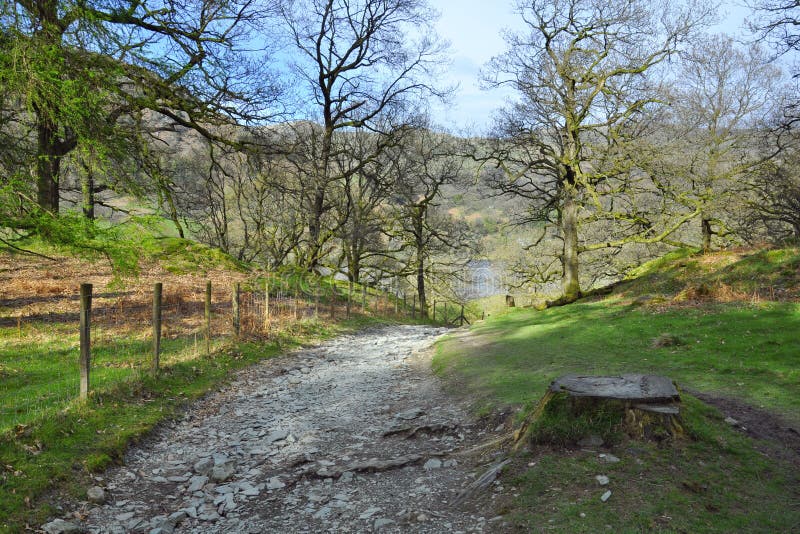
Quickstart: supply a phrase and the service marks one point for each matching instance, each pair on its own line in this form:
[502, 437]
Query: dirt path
[352, 436]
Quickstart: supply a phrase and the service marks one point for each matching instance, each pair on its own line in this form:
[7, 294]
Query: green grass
[747, 351]
[715, 481]
[40, 374]
[764, 272]
[50, 441]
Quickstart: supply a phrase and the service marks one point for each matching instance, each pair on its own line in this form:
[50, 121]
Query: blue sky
[474, 30]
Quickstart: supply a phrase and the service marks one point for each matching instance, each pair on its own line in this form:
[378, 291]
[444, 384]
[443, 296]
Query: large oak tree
[580, 72]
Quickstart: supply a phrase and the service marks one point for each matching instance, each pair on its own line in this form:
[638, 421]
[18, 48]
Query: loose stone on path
[300, 444]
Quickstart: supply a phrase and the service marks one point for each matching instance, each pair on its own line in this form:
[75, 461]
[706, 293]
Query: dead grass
[39, 291]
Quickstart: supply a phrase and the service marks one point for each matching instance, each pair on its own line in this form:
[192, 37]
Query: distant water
[483, 278]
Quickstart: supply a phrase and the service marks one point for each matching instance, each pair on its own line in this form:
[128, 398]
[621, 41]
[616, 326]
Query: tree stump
[641, 406]
[510, 301]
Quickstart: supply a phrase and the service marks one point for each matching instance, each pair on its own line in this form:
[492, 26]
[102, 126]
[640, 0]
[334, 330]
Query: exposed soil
[783, 438]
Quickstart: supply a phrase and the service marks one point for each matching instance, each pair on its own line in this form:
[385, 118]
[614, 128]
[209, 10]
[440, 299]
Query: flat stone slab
[629, 387]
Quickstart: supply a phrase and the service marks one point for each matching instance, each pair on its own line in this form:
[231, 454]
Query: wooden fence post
[434, 310]
[316, 301]
[208, 318]
[235, 307]
[266, 305]
[363, 298]
[157, 289]
[85, 339]
[445, 312]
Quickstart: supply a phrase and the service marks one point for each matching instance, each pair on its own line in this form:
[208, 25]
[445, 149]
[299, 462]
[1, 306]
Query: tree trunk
[569, 260]
[173, 210]
[315, 229]
[355, 270]
[87, 192]
[705, 226]
[48, 164]
[423, 304]
[419, 215]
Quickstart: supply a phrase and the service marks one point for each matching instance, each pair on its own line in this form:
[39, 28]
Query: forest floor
[353, 435]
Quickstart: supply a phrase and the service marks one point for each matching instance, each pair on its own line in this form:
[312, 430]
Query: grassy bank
[706, 322]
[740, 350]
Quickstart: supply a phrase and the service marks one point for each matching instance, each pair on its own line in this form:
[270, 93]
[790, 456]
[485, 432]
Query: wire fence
[42, 335]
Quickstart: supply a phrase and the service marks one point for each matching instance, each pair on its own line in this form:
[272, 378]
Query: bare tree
[719, 104]
[580, 70]
[362, 209]
[430, 243]
[359, 62]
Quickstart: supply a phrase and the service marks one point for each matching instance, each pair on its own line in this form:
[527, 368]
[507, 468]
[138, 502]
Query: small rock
[275, 483]
[609, 458]
[196, 483]
[591, 441]
[249, 490]
[277, 435]
[134, 523]
[408, 415]
[602, 480]
[222, 472]
[177, 517]
[124, 517]
[582, 515]
[96, 494]
[369, 512]
[422, 518]
[322, 513]
[605, 496]
[225, 488]
[382, 523]
[59, 526]
[203, 467]
[433, 463]
[731, 421]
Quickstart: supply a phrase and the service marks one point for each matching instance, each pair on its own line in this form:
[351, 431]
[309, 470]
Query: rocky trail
[354, 435]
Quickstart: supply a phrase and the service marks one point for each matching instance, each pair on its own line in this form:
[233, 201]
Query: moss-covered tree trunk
[569, 223]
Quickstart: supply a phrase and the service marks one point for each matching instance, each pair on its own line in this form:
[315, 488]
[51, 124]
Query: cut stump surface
[649, 405]
[633, 388]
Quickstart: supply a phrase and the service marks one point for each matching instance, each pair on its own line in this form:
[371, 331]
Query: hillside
[723, 326]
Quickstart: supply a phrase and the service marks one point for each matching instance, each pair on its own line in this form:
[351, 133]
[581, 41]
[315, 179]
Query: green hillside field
[723, 327]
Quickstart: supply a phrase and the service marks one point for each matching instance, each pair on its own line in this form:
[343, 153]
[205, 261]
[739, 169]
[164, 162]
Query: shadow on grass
[750, 352]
